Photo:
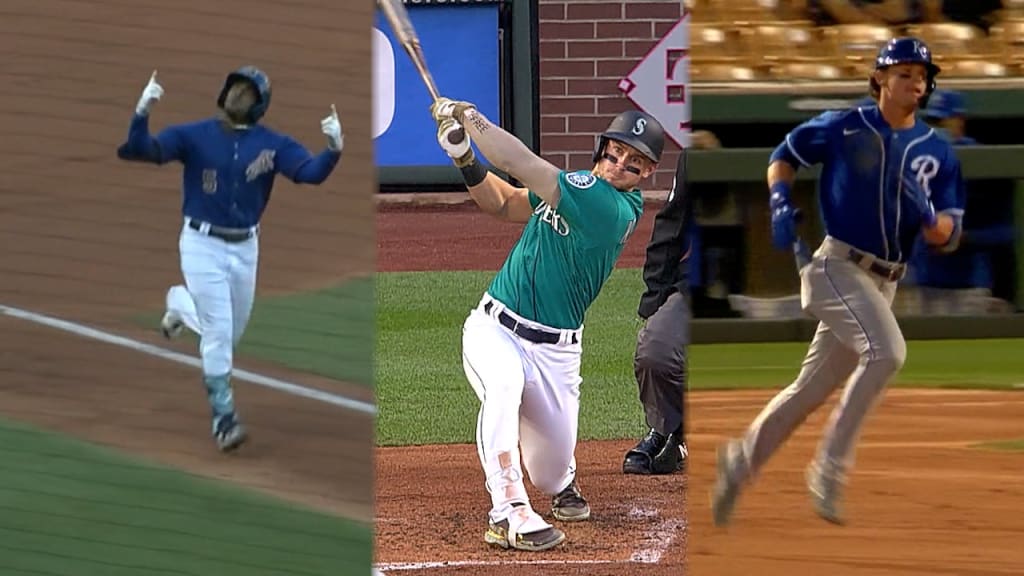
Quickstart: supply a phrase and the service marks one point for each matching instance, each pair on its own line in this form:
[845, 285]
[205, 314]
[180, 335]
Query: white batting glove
[455, 142]
[331, 127]
[150, 94]
[447, 108]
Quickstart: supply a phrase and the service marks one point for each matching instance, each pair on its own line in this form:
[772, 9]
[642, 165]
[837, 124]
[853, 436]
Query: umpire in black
[660, 360]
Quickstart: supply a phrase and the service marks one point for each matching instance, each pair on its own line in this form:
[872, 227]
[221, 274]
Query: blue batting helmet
[907, 50]
[259, 80]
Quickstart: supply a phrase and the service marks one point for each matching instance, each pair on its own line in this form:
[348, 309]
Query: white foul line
[244, 375]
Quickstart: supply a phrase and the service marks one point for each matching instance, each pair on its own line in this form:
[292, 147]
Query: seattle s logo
[925, 168]
[639, 126]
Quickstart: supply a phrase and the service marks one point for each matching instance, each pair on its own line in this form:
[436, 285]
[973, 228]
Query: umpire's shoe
[569, 505]
[524, 529]
[656, 454]
[229, 433]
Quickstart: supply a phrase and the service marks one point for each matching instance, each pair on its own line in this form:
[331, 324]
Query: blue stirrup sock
[218, 392]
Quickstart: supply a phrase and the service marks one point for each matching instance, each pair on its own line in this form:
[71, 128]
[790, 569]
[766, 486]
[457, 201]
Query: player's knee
[659, 356]
[890, 358]
[549, 481]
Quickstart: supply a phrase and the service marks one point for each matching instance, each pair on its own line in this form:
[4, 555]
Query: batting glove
[455, 142]
[447, 108]
[150, 94]
[331, 127]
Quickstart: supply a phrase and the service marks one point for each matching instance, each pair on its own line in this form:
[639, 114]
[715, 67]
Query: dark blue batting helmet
[259, 80]
[907, 50]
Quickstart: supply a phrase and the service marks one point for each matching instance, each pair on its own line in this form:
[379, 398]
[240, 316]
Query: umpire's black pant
[660, 364]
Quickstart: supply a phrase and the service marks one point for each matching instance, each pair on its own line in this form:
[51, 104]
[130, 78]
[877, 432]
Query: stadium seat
[974, 69]
[854, 42]
[700, 72]
[800, 71]
[952, 39]
[1008, 37]
[712, 43]
[779, 41]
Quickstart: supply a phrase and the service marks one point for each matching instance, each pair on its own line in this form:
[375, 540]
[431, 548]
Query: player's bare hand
[331, 128]
[447, 108]
[455, 142]
[150, 94]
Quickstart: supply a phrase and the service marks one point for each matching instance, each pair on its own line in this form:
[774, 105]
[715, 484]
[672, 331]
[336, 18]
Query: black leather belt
[893, 274]
[525, 332]
[225, 234]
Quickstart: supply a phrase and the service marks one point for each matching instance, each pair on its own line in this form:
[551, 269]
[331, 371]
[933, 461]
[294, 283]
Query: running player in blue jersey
[230, 162]
[887, 178]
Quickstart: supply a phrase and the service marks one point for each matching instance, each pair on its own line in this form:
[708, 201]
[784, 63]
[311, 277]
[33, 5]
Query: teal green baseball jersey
[565, 254]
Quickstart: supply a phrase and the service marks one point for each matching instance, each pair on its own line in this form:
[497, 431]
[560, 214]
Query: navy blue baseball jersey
[864, 201]
[228, 173]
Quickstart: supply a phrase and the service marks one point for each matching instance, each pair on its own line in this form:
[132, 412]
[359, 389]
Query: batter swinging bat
[398, 18]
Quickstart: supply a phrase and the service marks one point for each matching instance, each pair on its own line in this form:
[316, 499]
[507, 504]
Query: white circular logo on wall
[581, 179]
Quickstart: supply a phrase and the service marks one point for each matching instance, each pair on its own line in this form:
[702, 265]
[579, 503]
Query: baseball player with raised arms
[230, 162]
[522, 344]
[887, 177]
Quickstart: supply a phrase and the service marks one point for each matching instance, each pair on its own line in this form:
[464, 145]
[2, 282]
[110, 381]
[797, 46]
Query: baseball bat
[398, 18]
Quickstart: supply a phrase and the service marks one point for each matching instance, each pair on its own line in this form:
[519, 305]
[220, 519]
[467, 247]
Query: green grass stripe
[423, 396]
[1004, 445]
[67, 507]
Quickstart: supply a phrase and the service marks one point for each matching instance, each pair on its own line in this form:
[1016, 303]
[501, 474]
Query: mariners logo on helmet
[636, 129]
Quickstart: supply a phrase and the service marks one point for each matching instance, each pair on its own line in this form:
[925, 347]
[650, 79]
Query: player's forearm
[318, 168]
[491, 196]
[508, 153]
[781, 172]
[140, 145]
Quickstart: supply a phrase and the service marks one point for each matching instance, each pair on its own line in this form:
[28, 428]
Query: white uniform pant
[216, 301]
[529, 405]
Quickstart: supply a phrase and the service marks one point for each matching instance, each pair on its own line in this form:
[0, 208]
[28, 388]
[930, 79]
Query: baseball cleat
[171, 325]
[523, 530]
[229, 433]
[824, 491]
[727, 485]
[656, 454]
[569, 505]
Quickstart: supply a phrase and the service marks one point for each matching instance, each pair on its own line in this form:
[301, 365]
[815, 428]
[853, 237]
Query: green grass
[329, 332]
[423, 396]
[1005, 445]
[70, 508]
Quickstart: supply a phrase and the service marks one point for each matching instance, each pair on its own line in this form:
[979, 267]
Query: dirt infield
[93, 240]
[922, 501]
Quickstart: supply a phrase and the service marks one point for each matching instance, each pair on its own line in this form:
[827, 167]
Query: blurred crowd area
[746, 42]
[793, 40]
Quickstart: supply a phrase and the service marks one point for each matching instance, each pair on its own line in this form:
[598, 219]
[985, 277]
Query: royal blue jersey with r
[228, 174]
[864, 201]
